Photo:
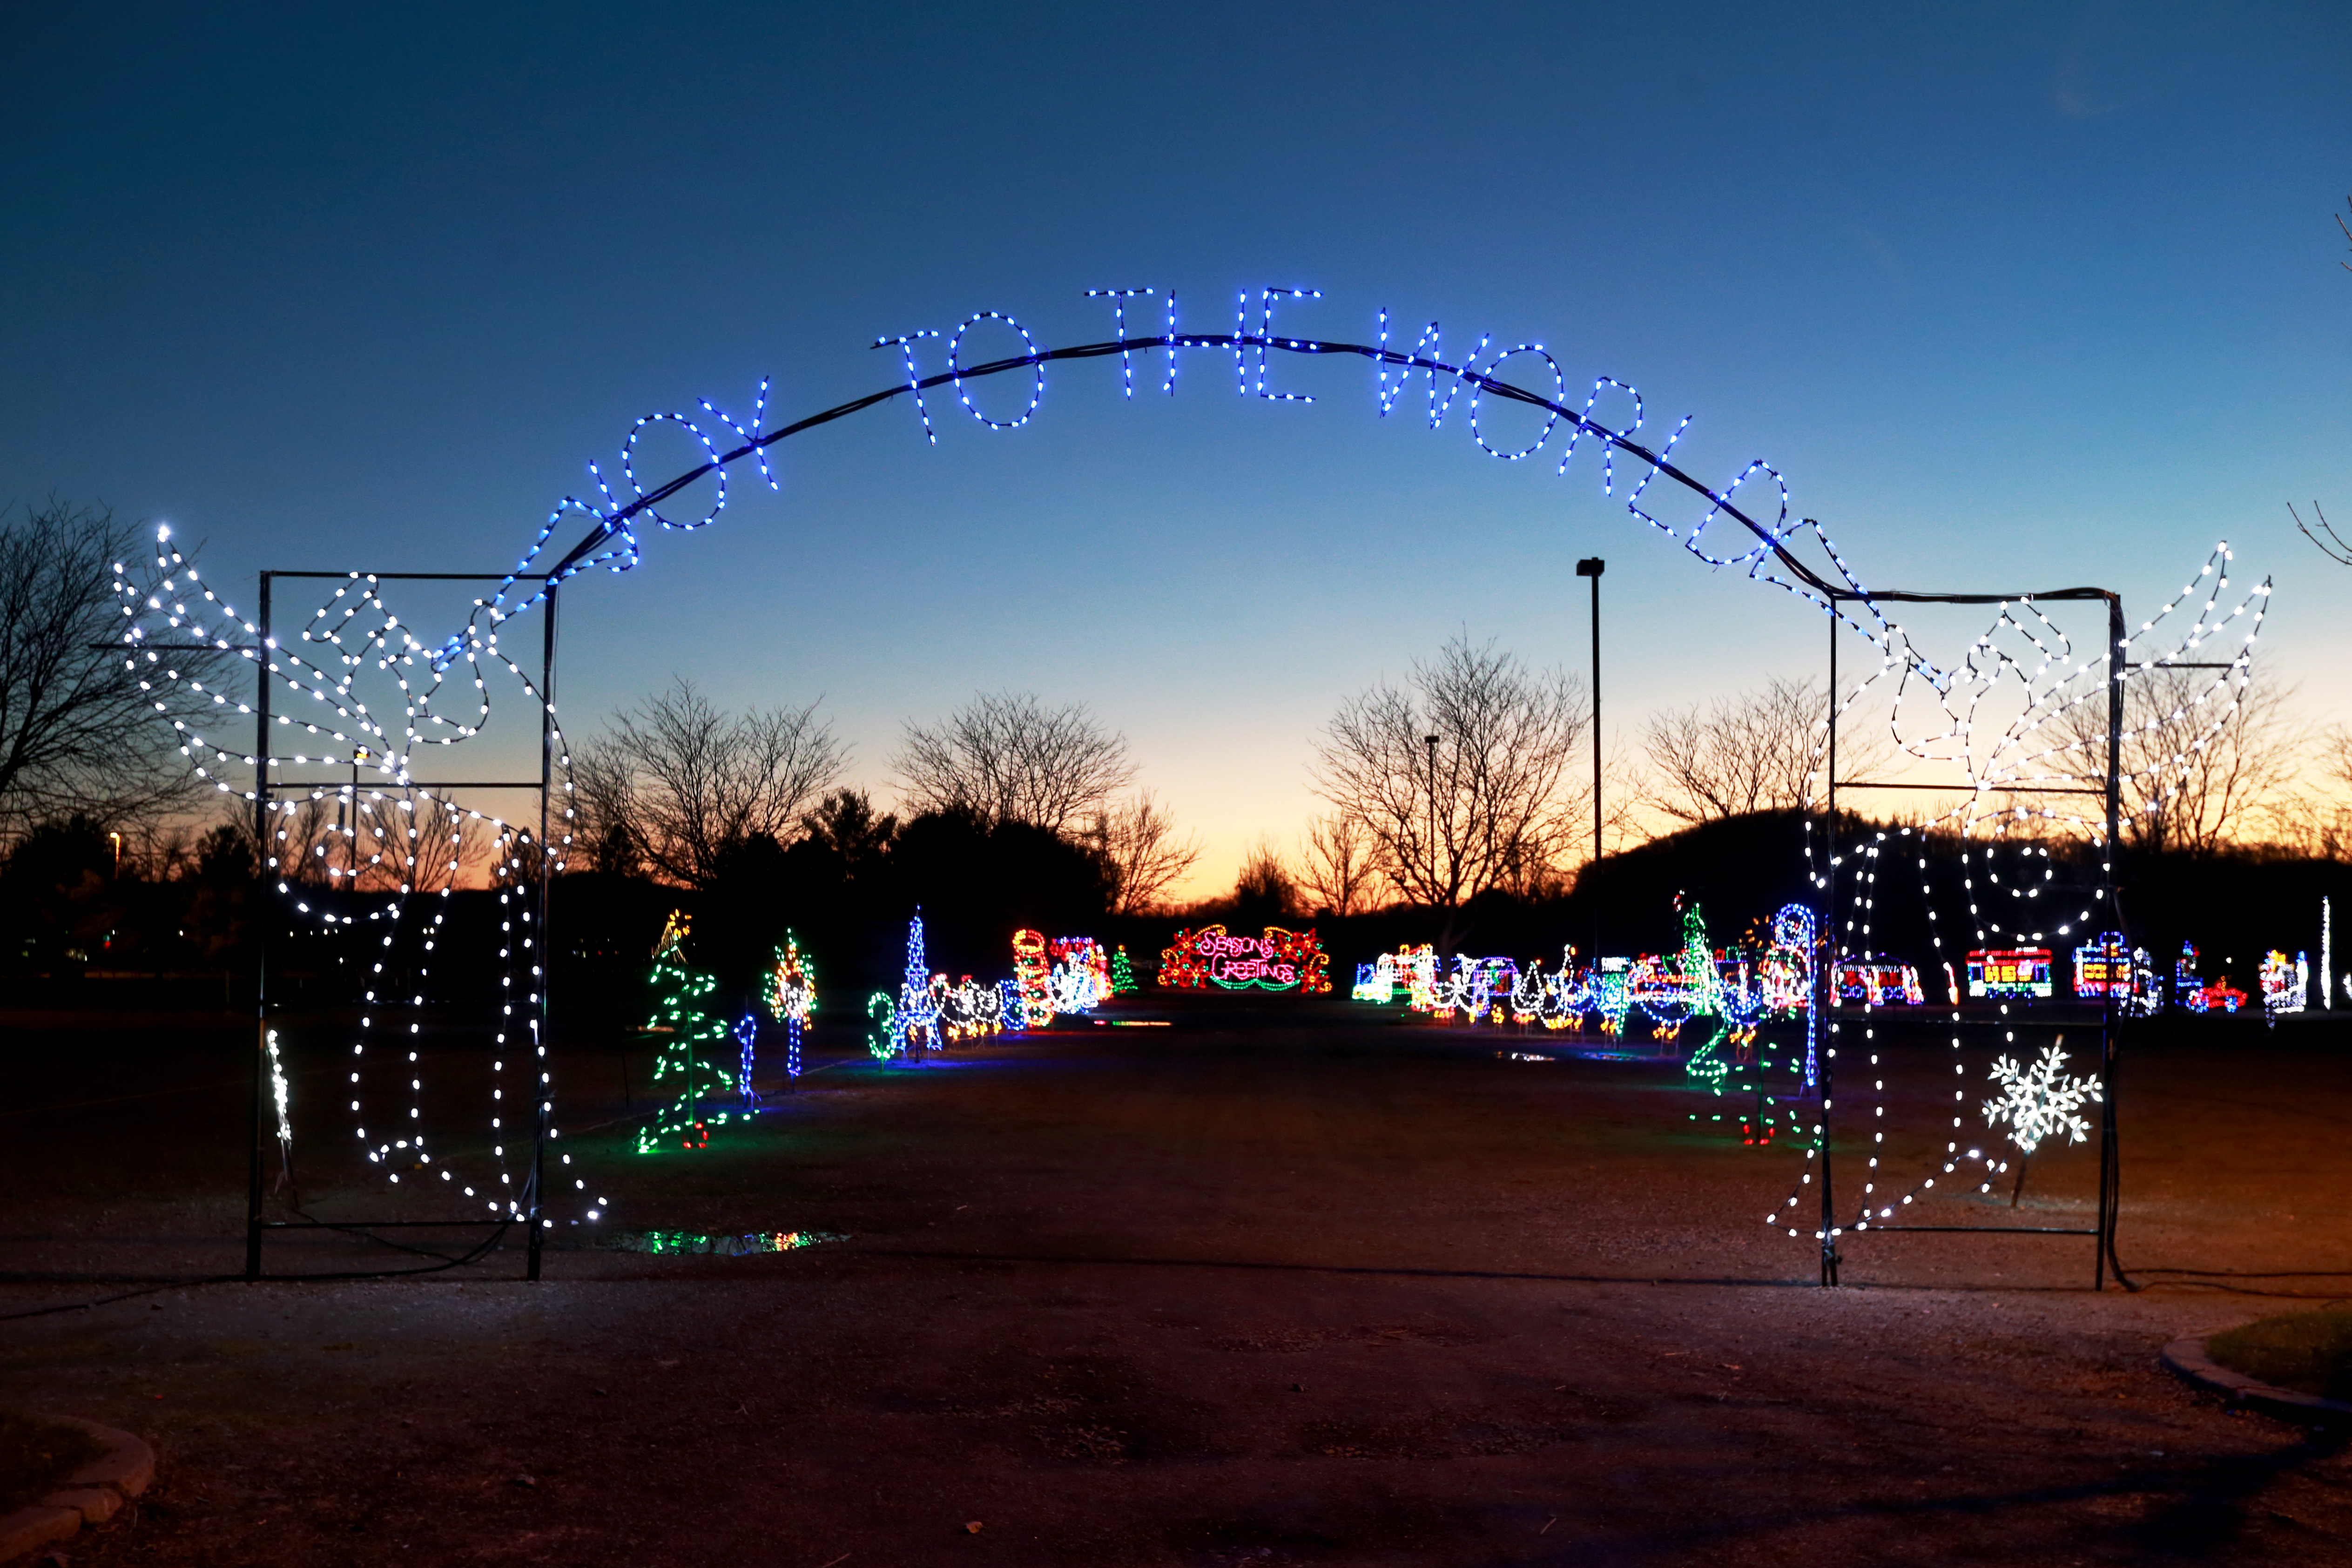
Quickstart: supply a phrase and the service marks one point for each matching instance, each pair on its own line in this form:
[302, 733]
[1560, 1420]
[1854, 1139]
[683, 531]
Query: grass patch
[37, 1455]
[2310, 1353]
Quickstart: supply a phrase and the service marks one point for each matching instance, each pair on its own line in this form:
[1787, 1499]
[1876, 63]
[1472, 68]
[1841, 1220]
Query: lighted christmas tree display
[1122, 972]
[791, 998]
[690, 1066]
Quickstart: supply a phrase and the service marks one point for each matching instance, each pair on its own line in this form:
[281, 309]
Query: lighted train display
[1775, 977]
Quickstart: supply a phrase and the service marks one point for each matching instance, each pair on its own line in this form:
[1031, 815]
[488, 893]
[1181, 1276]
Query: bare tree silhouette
[1138, 837]
[1006, 757]
[1335, 863]
[2204, 764]
[678, 783]
[1490, 803]
[79, 731]
[1754, 752]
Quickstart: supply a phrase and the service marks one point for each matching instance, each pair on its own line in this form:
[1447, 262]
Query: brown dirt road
[1301, 1290]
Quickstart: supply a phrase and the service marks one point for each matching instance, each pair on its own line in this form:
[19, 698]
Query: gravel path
[1289, 1289]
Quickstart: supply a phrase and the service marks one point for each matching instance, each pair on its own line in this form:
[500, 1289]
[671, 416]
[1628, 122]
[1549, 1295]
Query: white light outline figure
[2009, 763]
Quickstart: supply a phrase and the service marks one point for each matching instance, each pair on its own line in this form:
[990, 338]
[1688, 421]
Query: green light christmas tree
[691, 1063]
[1122, 972]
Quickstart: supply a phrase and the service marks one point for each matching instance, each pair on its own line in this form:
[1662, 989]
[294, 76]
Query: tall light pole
[1592, 566]
[1431, 742]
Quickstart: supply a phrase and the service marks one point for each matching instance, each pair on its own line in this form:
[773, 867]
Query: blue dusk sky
[2015, 297]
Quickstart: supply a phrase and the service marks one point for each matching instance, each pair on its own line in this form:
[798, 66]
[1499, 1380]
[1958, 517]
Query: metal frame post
[263, 909]
[1825, 1000]
[2110, 1163]
[1592, 566]
[545, 965]
[1431, 742]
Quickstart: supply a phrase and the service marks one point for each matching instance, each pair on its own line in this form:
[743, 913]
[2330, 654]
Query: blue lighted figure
[747, 1034]
[910, 1025]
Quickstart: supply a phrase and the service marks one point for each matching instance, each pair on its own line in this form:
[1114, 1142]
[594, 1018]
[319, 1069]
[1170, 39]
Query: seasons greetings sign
[1279, 960]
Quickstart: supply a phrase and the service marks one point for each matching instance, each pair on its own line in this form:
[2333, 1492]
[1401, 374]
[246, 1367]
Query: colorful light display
[1280, 960]
[970, 1009]
[2190, 990]
[1769, 981]
[930, 1013]
[911, 1024]
[2286, 984]
[1530, 990]
[1880, 981]
[1471, 989]
[1122, 972]
[1410, 973]
[704, 1244]
[1755, 1075]
[2186, 978]
[1083, 953]
[2102, 968]
[791, 998]
[1033, 979]
[1784, 978]
[2010, 972]
[2003, 763]
[2107, 969]
[1075, 986]
[690, 1059]
[1736, 992]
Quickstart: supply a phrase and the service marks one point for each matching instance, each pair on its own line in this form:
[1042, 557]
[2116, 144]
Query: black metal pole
[2110, 1156]
[1431, 742]
[1827, 995]
[1592, 567]
[543, 952]
[261, 914]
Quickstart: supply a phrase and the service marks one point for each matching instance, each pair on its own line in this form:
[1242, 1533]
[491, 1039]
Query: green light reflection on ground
[721, 1245]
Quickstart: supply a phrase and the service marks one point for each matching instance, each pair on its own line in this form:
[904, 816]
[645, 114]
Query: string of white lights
[354, 633]
[2002, 800]
[379, 834]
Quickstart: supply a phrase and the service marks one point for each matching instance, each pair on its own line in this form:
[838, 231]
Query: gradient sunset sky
[2015, 297]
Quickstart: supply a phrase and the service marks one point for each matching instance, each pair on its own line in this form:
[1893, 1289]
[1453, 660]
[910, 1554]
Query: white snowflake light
[2039, 1099]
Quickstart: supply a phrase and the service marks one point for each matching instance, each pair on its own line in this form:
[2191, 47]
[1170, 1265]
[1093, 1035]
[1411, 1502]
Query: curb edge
[118, 1476]
[2187, 1360]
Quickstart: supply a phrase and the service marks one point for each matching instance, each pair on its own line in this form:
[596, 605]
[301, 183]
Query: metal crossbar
[1969, 789]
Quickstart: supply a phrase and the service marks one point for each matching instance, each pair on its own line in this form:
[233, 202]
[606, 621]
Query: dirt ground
[1271, 1287]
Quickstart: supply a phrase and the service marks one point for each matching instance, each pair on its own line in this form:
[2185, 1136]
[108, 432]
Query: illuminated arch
[168, 609]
